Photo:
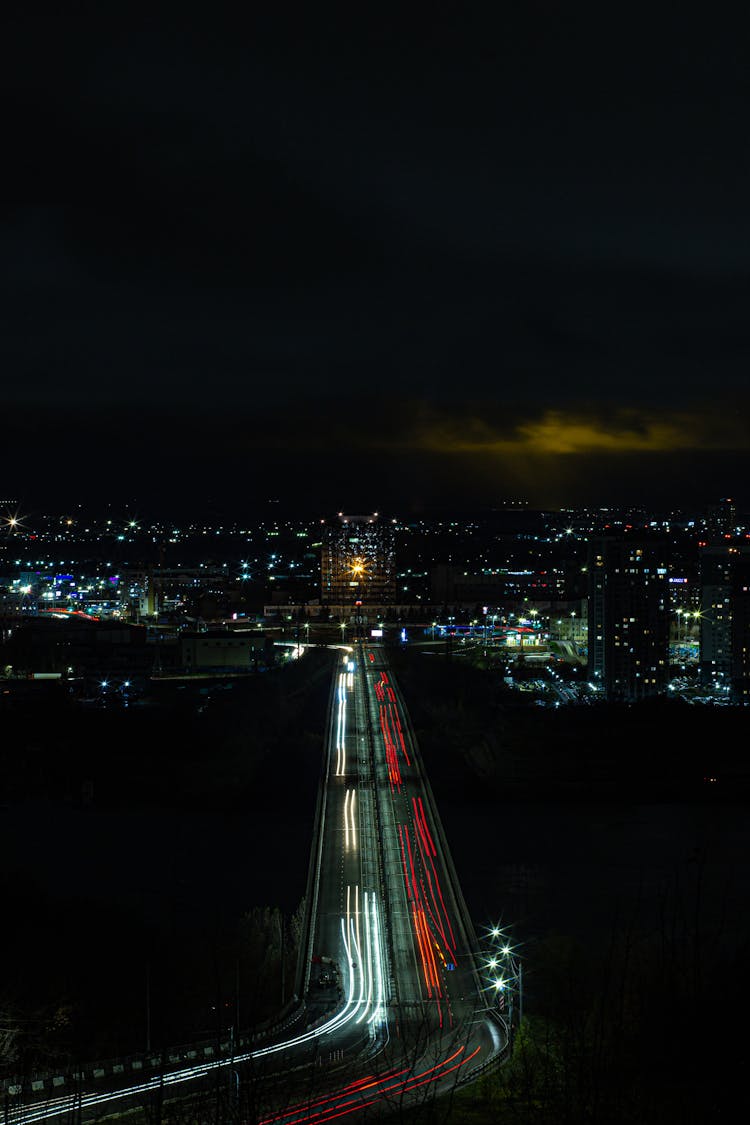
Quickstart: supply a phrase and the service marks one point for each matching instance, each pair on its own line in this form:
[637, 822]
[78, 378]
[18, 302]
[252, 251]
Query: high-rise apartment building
[740, 684]
[721, 517]
[725, 617]
[716, 575]
[628, 625]
[357, 561]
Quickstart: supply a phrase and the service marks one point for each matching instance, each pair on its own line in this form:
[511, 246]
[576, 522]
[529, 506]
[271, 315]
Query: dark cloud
[537, 217]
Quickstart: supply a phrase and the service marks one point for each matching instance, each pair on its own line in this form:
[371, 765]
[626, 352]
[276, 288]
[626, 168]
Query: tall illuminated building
[721, 517]
[716, 578]
[725, 617]
[357, 561]
[628, 619]
[741, 631]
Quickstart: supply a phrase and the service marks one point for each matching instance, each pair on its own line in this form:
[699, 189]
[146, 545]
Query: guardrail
[70, 1077]
[384, 885]
[147, 1062]
[154, 1062]
[302, 976]
[464, 917]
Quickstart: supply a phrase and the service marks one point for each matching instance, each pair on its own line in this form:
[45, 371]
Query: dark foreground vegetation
[635, 996]
[478, 733]
[636, 971]
[153, 862]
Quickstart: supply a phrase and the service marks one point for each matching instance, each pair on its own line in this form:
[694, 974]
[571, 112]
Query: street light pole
[509, 982]
[237, 995]
[148, 1006]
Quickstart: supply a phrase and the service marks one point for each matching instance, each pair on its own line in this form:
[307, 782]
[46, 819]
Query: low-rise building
[222, 650]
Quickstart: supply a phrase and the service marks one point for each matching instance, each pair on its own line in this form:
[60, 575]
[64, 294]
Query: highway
[394, 1006]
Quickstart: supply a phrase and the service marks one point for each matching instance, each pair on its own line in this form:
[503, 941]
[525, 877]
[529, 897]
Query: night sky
[399, 264]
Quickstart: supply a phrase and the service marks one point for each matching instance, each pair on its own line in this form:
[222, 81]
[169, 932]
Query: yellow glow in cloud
[556, 433]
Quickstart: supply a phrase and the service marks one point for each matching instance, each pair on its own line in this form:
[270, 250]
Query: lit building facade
[223, 650]
[725, 618]
[741, 631]
[357, 561]
[716, 577]
[628, 618]
[721, 518]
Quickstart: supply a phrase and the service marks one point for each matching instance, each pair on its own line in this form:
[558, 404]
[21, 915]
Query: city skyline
[374, 563]
[650, 604]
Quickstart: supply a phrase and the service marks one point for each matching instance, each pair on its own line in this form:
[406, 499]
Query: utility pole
[237, 995]
[148, 1005]
[281, 948]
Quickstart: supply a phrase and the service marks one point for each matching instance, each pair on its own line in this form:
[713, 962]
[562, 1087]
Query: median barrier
[302, 976]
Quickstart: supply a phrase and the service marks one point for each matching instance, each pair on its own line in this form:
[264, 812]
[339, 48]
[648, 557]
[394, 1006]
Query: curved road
[393, 1009]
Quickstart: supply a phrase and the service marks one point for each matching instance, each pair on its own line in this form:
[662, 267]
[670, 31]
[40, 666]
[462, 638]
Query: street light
[505, 979]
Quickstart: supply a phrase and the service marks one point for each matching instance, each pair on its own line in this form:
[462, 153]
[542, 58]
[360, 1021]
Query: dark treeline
[153, 862]
[472, 728]
[630, 1013]
[631, 1009]
[639, 1028]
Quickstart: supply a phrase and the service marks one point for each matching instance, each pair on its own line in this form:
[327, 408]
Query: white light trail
[350, 822]
[341, 727]
[360, 959]
[362, 971]
[366, 977]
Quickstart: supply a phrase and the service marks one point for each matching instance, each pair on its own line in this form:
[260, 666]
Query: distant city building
[721, 517]
[741, 629]
[725, 617]
[628, 620]
[716, 572]
[220, 650]
[452, 585]
[73, 644]
[357, 561]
